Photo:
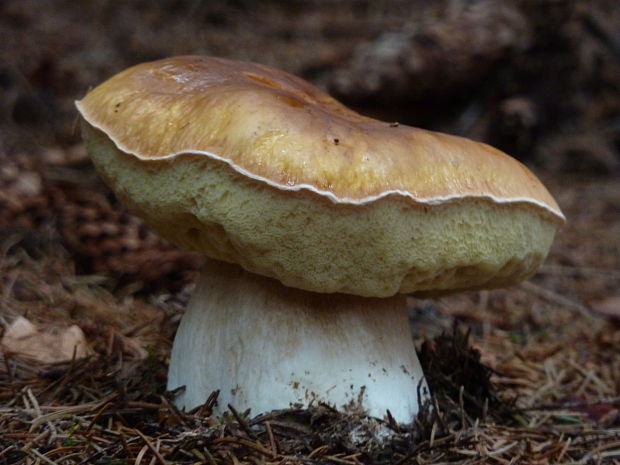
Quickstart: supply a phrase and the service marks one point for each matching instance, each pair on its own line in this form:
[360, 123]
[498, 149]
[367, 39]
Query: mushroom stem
[266, 346]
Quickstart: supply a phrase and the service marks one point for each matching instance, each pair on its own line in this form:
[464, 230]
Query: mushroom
[316, 222]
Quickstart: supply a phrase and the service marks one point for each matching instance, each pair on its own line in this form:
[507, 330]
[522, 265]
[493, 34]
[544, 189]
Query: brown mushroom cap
[254, 166]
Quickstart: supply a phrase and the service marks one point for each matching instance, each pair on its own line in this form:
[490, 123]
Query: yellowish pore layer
[378, 249]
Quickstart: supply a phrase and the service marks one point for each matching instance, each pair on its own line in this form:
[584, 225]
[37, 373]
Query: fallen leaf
[45, 345]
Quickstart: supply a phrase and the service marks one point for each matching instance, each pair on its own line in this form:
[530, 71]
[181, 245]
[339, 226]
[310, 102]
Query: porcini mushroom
[316, 221]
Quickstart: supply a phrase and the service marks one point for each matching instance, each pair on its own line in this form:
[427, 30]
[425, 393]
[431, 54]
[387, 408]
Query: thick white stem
[266, 346]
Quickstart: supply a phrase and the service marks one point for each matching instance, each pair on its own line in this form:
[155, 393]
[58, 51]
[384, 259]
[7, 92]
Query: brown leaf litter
[539, 79]
[50, 345]
[535, 377]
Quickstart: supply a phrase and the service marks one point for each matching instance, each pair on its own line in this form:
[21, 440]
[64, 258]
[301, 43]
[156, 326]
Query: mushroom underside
[388, 246]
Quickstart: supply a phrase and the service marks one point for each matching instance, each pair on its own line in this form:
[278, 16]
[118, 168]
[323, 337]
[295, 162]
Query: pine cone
[109, 241]
[99, 238]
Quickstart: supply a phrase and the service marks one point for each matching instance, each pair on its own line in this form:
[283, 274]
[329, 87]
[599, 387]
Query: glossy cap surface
[272, 173]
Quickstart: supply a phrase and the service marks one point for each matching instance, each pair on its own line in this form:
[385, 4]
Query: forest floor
[529, 374]
[540, 381]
